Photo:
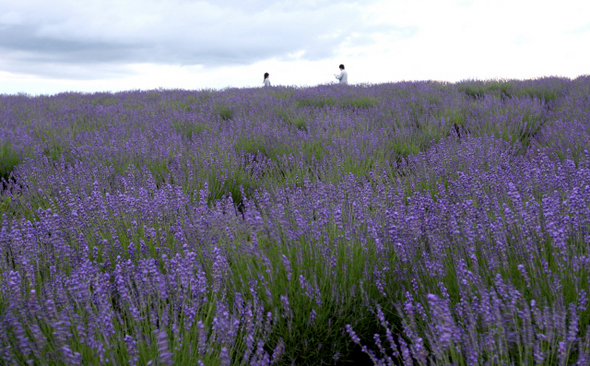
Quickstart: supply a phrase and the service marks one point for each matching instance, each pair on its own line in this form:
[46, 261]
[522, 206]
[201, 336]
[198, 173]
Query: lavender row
[469, 247]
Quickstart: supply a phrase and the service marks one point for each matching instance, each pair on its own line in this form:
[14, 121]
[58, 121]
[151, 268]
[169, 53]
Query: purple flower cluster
[423, 223]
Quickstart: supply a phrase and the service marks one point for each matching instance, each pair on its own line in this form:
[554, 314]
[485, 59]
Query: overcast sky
[52, 46]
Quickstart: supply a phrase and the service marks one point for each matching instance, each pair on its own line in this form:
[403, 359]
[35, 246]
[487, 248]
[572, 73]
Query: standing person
[343, 76]
[266, 81]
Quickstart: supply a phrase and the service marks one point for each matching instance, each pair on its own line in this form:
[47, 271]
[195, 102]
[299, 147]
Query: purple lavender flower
[166, 357]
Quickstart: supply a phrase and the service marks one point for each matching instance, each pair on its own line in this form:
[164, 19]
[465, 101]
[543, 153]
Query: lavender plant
[404, 223]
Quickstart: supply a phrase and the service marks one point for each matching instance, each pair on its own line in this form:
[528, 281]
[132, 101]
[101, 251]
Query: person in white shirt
[343, 76]
[266, 81]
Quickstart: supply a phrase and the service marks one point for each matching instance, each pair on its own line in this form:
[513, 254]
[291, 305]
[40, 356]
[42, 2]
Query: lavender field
[414, 223]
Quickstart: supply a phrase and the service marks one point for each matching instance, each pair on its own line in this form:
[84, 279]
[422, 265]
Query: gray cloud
[88, 41]
[25, 38]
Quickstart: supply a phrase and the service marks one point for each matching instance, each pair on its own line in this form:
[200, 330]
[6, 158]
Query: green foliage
[189, 129]
[542, 93]
[297, 122]
[105, 102]
[508, 89]
[499, 88]
[238, 186]
[184, 106]
[281, 172]
[359, 102]
[54, 149]
[472, 91]
[333, 302]
[260, 145]
[83, 123]
[187, 104]
[455, 116]
[320, 102]
[405, 147]
[528, 129]
[9, 159]
[432, 100]
[160, 169]
[346, 290]
[477, 89]
[419, 114]
[252, 146]
[313, 149]
[225, 113]
[358, 167]
[281, 94]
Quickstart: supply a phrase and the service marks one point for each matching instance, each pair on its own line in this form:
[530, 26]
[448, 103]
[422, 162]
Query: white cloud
[488, 39]
[117, 45]
[175, 33]
[10, 18]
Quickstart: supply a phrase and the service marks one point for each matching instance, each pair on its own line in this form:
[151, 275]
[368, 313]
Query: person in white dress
[266, 79]
[342, 76]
